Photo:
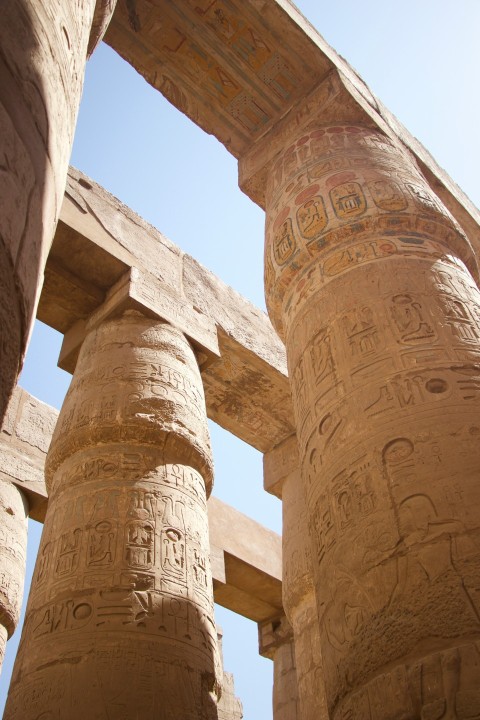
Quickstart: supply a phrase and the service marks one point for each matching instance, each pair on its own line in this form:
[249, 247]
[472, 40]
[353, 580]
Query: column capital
[272, 634]
[328, 97]
[141, 291]
[340, 196]
[279, 464]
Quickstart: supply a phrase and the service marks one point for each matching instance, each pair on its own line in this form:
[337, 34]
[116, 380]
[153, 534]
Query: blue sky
[421, 57]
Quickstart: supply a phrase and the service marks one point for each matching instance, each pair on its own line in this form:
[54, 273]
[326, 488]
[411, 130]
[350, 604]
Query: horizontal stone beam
[104, 256]
[252, 556]
[240, 70]
[246, 557]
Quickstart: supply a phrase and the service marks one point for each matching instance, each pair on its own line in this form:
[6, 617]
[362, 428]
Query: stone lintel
[272, 634]
[252, 557]
[139, 290]
[278, 464]
[245, 556]
[97, 244]
[237, 71]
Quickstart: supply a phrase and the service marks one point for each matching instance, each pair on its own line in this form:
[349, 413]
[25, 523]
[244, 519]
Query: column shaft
[366, 280]
[299, 601]
[120, 616]
[42, 61]
[275, 638]
[285, 696]
[13, 554]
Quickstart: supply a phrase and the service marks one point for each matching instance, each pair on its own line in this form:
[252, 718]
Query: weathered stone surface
[101, 19]
[366, 279]
[229, 706]
[99, 240]
[285, 689]
[298, 594]
[140, 291]
[278, 464]
[44, 48]
[281, 475]
[3, 643]
[122, 587]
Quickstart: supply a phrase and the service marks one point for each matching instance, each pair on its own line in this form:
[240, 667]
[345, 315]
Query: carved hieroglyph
[120, 616]
[13, 554]
[44, 48]
[366, 279]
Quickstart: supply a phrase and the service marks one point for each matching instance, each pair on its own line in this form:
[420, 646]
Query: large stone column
[282, 477]
[44, 48]
[120, 616]
[13, 554]
[229, 706]
[299, 601]
[366, 280]
[276, 643]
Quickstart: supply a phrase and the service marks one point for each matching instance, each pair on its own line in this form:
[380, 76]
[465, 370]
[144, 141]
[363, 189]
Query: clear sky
[420, 57]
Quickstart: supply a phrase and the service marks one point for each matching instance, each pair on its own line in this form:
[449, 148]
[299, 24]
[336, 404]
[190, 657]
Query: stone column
[276, 643]
[13, 554]
[229, 706]
[120, 621]
[299, 601]
[367, 281]
[42, 61]
[282, 477]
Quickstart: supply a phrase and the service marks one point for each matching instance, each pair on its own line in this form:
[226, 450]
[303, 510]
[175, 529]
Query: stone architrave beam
[252, 563]
[242, 70]
[246, 560]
